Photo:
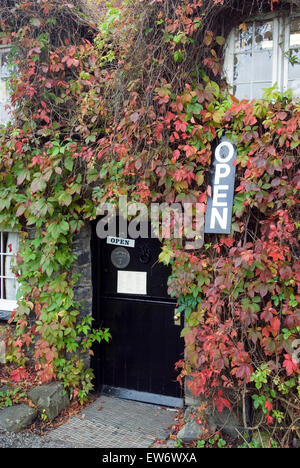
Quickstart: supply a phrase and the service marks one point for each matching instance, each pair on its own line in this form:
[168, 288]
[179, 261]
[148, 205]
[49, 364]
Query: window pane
[10, 290]
[244, 36]
[262, 70]
[3, 92]
[264, 35]
[295, 32]
[8, 283]
[4, 99]
[5, 115]
[294, 62]
[4, 71]
[12, 242]
[294, 67]
[242, 67]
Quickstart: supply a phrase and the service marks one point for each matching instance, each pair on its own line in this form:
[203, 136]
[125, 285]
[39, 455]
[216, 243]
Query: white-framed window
[9, 244]
[256, 55]
[5, 73]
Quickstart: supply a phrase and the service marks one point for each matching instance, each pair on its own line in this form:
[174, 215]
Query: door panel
[141, 355]
[142, 258]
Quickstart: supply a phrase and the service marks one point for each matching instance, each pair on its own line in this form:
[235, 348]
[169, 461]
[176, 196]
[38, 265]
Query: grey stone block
[191, 412]
[189, 418]
[17, 417]
[83, 258]
[50, 398]
[227, 422]
[5, 315]
[191, 431]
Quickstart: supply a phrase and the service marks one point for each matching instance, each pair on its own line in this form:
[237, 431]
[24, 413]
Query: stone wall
[83, 290]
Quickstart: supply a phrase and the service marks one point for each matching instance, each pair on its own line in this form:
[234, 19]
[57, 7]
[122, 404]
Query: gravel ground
[29, 440]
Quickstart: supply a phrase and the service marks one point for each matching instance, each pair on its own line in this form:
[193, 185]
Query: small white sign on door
[120, 241]
[132, 282]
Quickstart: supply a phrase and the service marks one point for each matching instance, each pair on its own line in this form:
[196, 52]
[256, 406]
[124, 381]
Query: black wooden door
[131, 299]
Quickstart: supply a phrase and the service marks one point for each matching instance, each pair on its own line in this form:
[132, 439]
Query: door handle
[177, 318]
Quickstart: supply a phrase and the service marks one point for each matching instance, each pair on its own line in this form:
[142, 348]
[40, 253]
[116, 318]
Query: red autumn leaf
[189, 150]
[269, 419]
[250, 119]
[18, 374]
[290, 365]
[18, 343]
[220, 402]
[217, 248]
[247, 256]
[197, 383]
[176, 154]
[179, 125]
[275, 324]
[268, 405]
[267, 315]
[263, 290]
[27, 339]
[228, 241]
[19, 146]
[244, 371]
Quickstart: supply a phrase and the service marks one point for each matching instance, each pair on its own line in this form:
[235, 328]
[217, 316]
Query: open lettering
[120, 241]
[219, 206]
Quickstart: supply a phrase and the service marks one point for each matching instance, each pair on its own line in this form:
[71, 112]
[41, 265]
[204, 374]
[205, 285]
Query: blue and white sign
[219, 205]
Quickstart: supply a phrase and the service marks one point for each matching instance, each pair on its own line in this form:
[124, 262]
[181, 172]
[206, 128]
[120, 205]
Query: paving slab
[114, 423]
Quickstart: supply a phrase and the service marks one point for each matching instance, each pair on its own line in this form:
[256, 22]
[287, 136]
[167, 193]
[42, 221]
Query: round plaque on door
[120, 257]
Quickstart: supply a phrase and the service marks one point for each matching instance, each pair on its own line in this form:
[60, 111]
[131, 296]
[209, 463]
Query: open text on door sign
[219, 206]
[120, 241]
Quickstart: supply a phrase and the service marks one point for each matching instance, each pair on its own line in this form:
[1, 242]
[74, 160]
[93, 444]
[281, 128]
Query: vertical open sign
[219, 206]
